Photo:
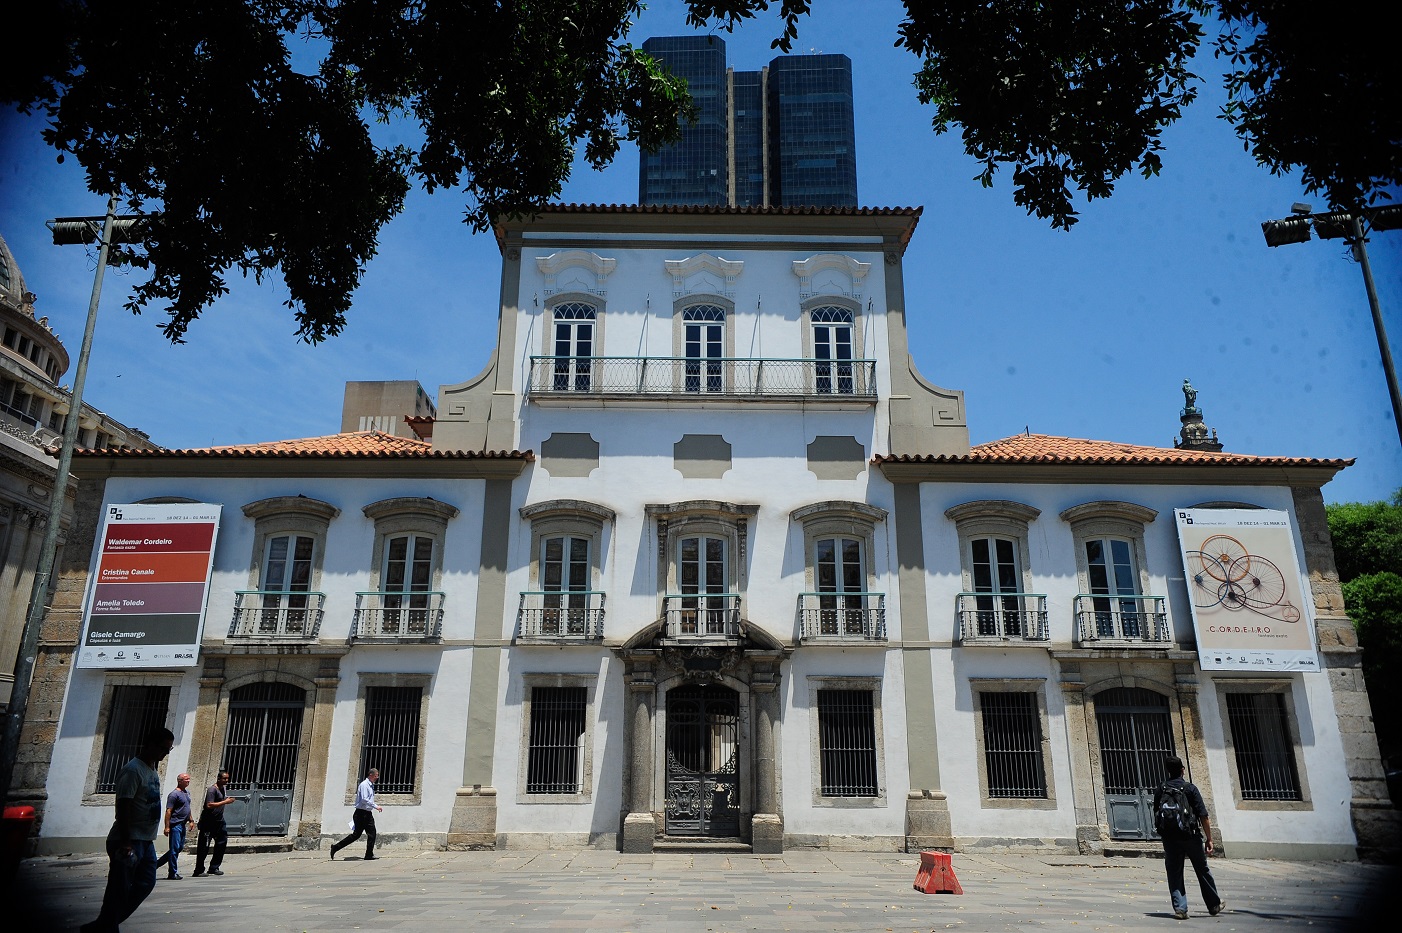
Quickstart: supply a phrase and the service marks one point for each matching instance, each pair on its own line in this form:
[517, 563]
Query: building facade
[783, 136]
[33, 407]
[700, 555]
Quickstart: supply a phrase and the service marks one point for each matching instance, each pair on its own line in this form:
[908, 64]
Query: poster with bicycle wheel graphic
[1246, 590]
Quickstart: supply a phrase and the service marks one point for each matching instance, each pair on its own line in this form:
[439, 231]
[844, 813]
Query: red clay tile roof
[1049, 448]
[357, 444]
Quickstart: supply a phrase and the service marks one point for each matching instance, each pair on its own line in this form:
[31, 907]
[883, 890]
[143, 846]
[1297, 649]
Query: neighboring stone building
[32, 408]
[699, 555]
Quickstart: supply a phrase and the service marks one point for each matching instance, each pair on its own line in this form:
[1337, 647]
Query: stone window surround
[835, 518]
[835, 301]
[702, 517]
[993, 518]
[1033, 685]
[1110, 519]
[281, 515]
[1285, 687]
[367, 679]
[422, 516]
[563, 298]
[568, 517]
[586, 785]
[104, 710]
[680, 305]
[818, 682]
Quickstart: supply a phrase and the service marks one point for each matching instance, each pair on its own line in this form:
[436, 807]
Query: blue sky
[1086, 334]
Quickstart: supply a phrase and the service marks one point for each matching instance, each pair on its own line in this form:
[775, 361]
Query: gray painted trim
[702, 456]
[486, 662]
[567, 454]
[921, 741]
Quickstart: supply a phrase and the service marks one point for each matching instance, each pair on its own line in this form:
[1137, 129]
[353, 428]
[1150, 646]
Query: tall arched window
[703, 345]
[832, 349]
[573, 347]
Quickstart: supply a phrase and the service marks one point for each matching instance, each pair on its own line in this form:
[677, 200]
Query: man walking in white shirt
[364, 816]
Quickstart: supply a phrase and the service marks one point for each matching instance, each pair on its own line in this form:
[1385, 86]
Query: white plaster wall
[1052, 560]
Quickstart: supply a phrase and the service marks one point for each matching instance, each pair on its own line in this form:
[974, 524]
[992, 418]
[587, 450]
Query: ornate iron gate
[265, 730]
[1136, 735]
[703, 794]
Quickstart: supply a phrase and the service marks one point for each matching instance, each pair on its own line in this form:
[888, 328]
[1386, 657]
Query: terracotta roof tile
[357, 444]
[1049, 448]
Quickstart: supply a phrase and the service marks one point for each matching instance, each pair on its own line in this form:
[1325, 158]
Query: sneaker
[215, 871]
[1221, 906]
[371, 858]
[333, 853]
[198, 873]
[175, 877]
[1180, 915]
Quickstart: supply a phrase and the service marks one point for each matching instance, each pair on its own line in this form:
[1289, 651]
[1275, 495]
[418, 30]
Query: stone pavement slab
[810, 891]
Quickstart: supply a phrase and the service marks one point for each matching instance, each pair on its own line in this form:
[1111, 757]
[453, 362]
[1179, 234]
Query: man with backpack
[1180, 817]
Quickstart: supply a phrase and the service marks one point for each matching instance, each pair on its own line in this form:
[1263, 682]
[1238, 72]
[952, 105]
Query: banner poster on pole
[146, 602]
[1248, 595]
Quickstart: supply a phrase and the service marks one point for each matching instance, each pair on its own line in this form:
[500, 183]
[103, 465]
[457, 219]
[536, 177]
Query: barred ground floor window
[1262, 746]
[390, 740]
[1012, 744]
[554, 757]
[847, 751]
[134, 710]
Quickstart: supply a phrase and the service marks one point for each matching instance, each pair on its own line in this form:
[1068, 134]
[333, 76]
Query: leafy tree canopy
[1367, 537]
[241, 127]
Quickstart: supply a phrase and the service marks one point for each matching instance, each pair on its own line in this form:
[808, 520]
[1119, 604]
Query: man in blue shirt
[177, 822]
[1179, 844]
[364, 819]
[131, 843]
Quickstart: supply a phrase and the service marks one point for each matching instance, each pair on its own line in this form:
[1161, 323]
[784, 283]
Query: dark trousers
[177, 843]
[1174, 851]
[364, 823]
[128, 882]
[211, 831]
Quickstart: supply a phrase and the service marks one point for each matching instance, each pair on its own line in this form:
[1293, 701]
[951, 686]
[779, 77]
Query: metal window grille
[135, 711]
[1136, 735]
[1012, 744]
[391, 738]
[847, 743]
[553, 759]
[1265, 755]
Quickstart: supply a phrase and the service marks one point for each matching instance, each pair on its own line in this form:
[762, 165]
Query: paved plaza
[812, 891]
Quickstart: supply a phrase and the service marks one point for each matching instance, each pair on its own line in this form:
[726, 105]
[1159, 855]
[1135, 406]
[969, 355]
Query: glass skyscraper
[693, 170]
[781, 136]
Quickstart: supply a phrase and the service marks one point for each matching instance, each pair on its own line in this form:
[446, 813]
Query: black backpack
[1173, 812]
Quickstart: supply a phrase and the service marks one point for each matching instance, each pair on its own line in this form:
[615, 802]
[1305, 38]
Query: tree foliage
[242, 128]
[1367, 537]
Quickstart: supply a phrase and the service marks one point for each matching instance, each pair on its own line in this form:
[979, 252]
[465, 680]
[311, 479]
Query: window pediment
[1112, 510]
[576, 270]
[703, 274]
[568, 508]
[696, 508]
[412, 506]
[830, 274]
[278, 506]
[1004, 510]
[858, 513]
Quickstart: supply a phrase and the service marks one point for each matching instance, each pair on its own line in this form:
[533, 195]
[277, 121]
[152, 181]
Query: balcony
[555, 617]
[1002, 618]
[842, 617]
[711, 618]
[580, 378]
[400, 616]
[277, 615]
[1122, 622]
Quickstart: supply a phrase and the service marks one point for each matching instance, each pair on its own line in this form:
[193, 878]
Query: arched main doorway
[703, 761]
[260, 752]
[1136, 735]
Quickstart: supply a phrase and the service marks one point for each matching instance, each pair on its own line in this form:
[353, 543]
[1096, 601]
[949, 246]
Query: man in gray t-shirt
[131, 843]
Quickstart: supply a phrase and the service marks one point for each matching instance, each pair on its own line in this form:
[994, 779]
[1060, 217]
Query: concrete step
[723, 845]
[255, 844]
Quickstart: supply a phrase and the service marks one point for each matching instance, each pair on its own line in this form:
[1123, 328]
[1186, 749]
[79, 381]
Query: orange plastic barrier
[936, 874]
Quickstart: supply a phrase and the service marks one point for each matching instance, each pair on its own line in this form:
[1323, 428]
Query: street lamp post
[105, 230]
[1348, 225]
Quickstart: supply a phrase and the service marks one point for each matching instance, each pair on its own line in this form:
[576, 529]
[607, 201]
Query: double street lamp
[1348, 226]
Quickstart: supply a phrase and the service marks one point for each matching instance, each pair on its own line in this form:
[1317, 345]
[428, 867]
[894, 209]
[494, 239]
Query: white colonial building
[700, 556]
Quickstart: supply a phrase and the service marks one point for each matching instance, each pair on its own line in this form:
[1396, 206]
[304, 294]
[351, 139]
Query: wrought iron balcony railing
[552, 616]
[1002, 618]
[843, 617]
[1122, 621]
[706, 617]
[293, 615]
[412, 616]
[585, 376]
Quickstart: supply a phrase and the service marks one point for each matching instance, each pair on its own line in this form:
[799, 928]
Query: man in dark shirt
[212, 826]
[177, 820]
[1178, 845]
